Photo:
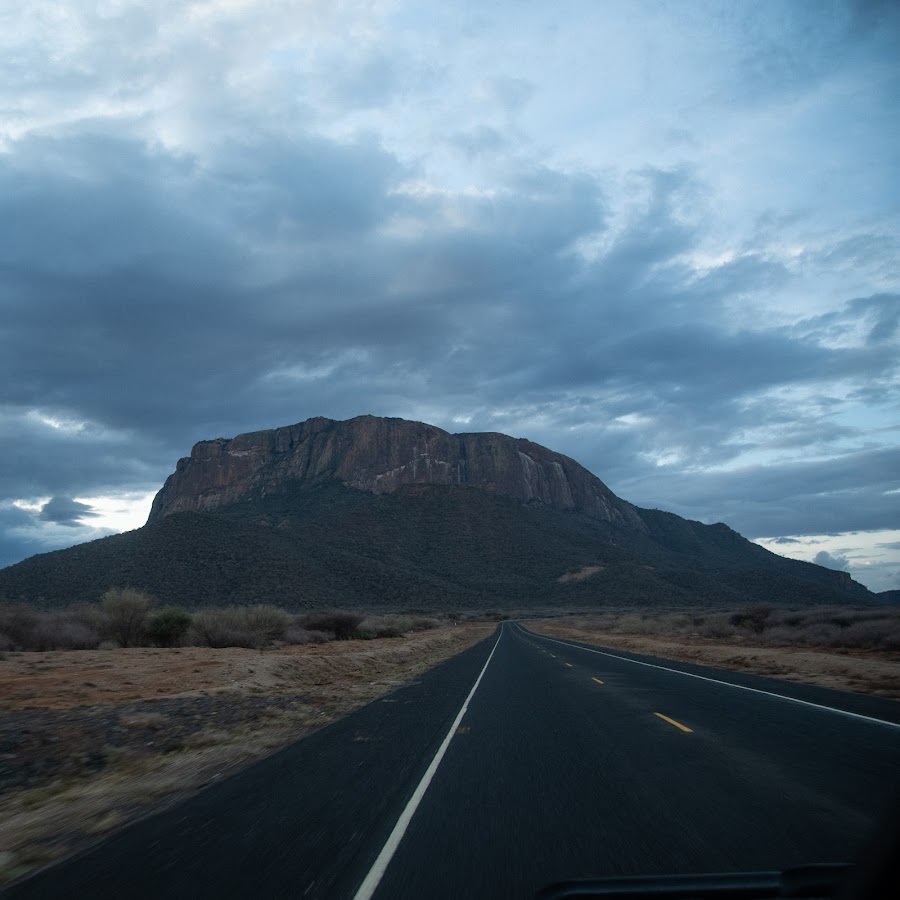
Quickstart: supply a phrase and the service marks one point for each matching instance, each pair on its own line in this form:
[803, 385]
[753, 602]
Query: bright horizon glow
[119, 512]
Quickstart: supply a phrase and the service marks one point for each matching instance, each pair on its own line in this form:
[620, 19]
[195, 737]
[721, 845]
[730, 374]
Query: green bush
[168, 626]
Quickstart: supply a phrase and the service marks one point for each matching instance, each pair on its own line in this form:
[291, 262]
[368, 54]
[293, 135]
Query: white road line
[372, 880]
[740, 687]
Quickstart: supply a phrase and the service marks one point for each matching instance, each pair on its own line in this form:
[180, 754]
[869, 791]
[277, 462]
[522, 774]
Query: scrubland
[113, 709]
[92, 738]
[838, 647]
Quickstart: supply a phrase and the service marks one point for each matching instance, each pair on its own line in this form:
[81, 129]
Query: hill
[329, 513]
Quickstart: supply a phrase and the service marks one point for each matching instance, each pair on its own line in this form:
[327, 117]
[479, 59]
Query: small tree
[168, 626]
[126, 615]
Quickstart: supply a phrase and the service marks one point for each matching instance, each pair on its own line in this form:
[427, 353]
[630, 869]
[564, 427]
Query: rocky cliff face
[379, 455]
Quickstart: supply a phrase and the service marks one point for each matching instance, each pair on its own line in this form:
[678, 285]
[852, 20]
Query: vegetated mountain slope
[421, 546]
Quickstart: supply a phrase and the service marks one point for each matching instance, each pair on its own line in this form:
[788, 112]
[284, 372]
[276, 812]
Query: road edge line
[740, 687]
[379, 867]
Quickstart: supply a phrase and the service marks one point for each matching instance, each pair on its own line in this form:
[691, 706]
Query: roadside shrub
[717, 626]
[819, 635]
[342, 623]
[239, 626]
[383, 627]
[790, 618]
[891, 641]
[675, 623]
[222, 628]
[6, 642]
[58, 631]
[168, 626]
[780, 636]
[879, 634]
[269, 622]
[91, 615]
[753, 618]
[601, 623]
[17, 622]
[297, 635]
[634, 624]
[126, 615]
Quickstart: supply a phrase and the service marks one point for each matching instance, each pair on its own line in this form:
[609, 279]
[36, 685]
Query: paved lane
[306, 822]
[570, 763]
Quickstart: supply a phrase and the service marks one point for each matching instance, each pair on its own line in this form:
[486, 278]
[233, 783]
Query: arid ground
[90, 739]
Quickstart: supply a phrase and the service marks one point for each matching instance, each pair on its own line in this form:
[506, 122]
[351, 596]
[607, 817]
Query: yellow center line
[597, 680]
[676, 724]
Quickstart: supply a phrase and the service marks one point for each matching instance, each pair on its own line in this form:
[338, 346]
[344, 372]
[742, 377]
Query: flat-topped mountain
[381, 455]
[375, 512]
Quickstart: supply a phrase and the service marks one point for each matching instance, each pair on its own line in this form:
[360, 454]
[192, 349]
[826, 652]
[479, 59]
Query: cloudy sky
[661, 237]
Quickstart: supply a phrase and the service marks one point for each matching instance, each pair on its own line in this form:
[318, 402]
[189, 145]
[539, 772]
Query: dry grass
[710, 639]
[44, 822]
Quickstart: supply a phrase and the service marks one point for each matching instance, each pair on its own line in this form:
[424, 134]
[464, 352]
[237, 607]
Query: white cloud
[120, 512]
[871, 557]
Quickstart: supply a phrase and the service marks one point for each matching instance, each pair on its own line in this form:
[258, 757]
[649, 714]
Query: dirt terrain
[861, 671]
[92, 739]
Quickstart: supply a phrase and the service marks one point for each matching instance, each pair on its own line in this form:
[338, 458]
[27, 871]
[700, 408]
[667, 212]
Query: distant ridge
[383, 512]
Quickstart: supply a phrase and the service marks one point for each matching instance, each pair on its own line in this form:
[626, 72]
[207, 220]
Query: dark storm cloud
[131, 300]
[824, 558]
[24, 532]
[153, 299]
[41, 460]
[65, 511]
[823, 496]
[15, 544]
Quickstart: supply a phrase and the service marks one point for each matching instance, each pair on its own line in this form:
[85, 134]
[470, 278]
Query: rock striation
[380, 455]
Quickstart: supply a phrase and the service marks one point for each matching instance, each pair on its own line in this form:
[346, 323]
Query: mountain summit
[380, 455]
[376, 512]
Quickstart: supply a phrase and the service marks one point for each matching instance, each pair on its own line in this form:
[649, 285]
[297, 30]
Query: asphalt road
[567, 762]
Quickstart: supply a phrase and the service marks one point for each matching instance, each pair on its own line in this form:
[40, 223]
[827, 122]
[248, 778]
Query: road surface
[521, 762]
